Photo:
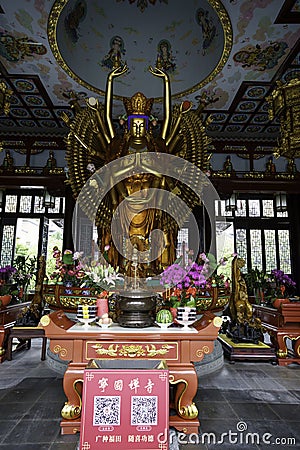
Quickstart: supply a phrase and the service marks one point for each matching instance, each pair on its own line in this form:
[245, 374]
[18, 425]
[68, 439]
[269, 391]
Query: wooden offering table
[8, 316]
[281, 325]
[179, 347]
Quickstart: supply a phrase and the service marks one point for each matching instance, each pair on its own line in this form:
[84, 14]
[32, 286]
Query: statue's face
[138, 127]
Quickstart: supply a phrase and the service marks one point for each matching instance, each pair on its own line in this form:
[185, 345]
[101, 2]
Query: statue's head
[138, 109]
[138, 125]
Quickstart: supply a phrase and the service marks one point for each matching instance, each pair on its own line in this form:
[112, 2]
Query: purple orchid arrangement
[193, 280]
[285, 286]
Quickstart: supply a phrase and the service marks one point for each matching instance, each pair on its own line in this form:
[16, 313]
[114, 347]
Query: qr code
[143, 410]
[106, 410]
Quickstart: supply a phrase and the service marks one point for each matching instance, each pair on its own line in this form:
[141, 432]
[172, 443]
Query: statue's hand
[118, 71]
[157, 72]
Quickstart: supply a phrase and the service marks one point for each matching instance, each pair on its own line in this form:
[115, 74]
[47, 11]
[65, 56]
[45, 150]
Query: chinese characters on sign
[125, 409]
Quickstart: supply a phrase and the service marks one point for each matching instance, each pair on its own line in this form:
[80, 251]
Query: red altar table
[179, 347]
[282, 324]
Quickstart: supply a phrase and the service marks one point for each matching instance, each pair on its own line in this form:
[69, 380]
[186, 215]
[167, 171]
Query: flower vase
[5, 300]
[278, 302]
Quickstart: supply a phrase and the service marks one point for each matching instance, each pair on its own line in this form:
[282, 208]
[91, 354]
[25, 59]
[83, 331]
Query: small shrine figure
[51, 161]
[270, 167]
[228, 167]
[8, 162]
[291, 167]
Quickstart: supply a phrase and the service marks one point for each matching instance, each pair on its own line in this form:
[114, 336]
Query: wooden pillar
[69, 208]
[294, 216]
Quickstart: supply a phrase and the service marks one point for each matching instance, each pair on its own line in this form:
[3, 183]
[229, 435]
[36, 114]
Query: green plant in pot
[257, 283]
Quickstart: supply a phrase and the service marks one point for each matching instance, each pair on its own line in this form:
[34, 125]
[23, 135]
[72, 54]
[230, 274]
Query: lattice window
[241, 245]
[25, 204]
[268, 208]
[21, 207]
[11, 204]
[270, 250]
[282, 214]
[241, 208]
[259, 237]
[38, 204]
[7, 245]
[56, 208]
[284, 251]
[254, 208]
[256, 249]
[223, 211]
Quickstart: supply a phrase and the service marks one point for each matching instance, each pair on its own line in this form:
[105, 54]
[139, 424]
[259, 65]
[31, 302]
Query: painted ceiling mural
[191, 41]
[221, 55]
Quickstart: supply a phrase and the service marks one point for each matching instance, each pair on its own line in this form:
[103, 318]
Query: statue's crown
[138, 104]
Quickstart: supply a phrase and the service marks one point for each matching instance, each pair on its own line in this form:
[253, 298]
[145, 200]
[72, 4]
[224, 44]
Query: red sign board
[125, 409]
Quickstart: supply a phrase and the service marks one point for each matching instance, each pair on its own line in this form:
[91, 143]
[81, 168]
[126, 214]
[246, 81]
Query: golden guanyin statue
[243, 326]
[95, 140]
[240, 307]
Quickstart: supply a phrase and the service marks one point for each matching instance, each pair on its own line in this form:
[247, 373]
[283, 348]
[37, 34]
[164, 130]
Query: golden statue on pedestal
[243, 327]
[95, 140]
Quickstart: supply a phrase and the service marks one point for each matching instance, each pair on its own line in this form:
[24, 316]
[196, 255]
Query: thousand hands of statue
[94, 141]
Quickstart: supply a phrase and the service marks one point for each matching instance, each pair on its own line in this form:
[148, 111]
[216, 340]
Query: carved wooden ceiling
[225, 57]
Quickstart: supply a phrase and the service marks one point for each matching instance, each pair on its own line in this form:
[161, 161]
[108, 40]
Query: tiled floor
[254, 401]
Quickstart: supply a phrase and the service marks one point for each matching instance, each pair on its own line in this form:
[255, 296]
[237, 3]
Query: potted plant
[7, 288]
[24, 271]
[283, 287]
[192, 286]
[257, 283]
[5, 295]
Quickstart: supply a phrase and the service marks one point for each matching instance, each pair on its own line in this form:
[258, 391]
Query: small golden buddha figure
[51, 161]
[270, 167]
[228, 167]
[8, 162]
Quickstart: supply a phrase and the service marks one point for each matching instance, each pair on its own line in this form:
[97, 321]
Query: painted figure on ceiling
[208, 28]
[261, 58]
[15, 49]
[94, 139]
[113, 58]
[165, 60]
[73, 19]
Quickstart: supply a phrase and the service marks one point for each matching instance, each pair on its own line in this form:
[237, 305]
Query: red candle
[102, 306]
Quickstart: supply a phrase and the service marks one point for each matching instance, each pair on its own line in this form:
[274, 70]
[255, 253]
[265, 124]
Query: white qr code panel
[107, 410]
[144, 410]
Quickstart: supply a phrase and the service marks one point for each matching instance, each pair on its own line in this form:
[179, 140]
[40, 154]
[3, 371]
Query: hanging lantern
[231, 203]
[281, 205]
[49, 201]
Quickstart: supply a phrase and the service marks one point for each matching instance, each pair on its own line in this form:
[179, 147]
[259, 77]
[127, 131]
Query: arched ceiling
[225, 56]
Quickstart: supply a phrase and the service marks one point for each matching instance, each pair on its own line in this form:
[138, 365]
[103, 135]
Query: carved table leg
[296, 347]
[185, 378]
[282, 348]
[73, 380]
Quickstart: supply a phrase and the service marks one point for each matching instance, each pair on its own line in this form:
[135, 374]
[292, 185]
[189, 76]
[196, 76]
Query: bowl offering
[86, 313]
[186, 316]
